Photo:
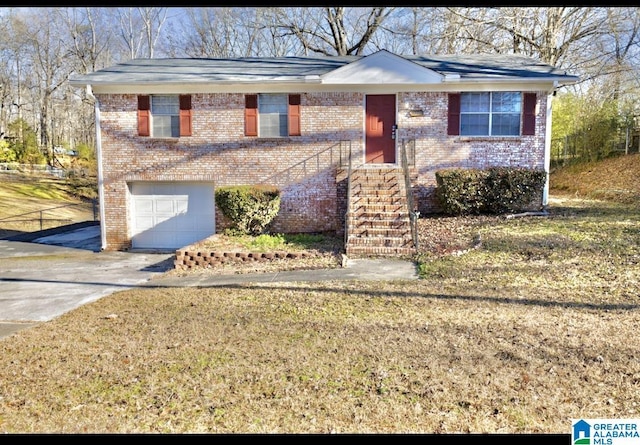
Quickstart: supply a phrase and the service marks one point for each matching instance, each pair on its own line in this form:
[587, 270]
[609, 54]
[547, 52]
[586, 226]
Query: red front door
[380, 123]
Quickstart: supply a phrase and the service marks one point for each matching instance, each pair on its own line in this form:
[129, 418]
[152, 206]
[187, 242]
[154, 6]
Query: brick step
[398, 223]
[378, 171]
[377, 234]
[373, 191]
[381, 241]
[380, 180]
[377, 200]
[376, 189]
[361, 251]
[377, 215]
[380, 177]
[398, 209]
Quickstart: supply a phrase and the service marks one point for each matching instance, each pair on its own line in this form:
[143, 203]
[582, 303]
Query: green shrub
[250, 208]
[513, 189]
[460, 191]
[494, 190]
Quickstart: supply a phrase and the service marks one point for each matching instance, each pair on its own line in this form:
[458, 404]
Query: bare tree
[17, 63]
[332, 31]
[619, 51]
[213, 32]
[89, 41]
[268, 39]
[551, 34]
[47, 49]
[130, 31]
[436, 31]
[140, 29]
[152, 19]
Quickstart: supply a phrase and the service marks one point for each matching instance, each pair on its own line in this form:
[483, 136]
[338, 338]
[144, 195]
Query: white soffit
[382, 68]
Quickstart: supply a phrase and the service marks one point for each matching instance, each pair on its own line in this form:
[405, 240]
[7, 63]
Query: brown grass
[32, 202]
[531, 329]
[614, 179]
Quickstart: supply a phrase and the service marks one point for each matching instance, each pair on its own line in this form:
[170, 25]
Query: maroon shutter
[251, 115]
[294, 115]
[529, 114]
[453, 117]
[144, 106]
[185, 115]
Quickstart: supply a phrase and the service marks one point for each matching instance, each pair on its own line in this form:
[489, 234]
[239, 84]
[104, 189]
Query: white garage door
[171, 215]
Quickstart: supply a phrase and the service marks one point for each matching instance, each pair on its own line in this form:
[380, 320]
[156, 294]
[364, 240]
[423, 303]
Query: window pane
[165, 105]
[271, 125]
[272, 115]
[474, 102]
[175, 126]
[162, 126]
[507, 102]
[165, 111]
[474, 124]
[505, 125]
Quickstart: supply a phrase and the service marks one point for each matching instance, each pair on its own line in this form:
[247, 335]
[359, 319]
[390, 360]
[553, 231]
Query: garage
[169, 215]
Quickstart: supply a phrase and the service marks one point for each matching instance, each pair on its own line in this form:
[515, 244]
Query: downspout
[103, 230]
[547, 146]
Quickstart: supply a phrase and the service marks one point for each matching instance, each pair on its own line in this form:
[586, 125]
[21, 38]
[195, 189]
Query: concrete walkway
[54, 274]
[356, 269]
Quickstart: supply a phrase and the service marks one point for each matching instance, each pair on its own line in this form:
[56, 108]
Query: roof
[302, 69]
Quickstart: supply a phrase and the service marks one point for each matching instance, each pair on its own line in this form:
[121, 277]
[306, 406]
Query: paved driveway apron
[39, 282]
[44, 279]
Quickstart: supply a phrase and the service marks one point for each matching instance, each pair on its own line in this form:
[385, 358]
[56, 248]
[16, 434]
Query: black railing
[41, 219]
[338, 154]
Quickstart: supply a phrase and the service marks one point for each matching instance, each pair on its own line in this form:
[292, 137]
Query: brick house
[353, 142]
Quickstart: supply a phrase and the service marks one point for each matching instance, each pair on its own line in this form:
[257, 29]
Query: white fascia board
[311, 87]
[551, 81]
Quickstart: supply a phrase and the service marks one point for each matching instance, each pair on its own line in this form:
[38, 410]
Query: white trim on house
[96, 110]
[388, 88]
[382, 68]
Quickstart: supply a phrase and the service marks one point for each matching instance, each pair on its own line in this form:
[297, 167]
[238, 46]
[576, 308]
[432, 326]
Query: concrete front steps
[378, 222]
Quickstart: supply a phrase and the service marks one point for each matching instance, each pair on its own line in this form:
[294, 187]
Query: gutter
[556, 80]
[200, 81]
[96, 108]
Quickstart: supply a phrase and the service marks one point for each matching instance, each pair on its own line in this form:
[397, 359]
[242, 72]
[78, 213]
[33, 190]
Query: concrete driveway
[42, 279]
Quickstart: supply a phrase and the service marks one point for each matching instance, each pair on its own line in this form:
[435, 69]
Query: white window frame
[159, 112]
[490, 113]
[273, 115]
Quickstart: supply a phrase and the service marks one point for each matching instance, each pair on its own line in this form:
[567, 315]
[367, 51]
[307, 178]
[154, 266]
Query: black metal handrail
[41, 218]
[313, 164]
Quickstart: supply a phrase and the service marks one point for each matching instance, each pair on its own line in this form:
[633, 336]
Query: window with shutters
[164, 116]
[272, 115]
[492, 114]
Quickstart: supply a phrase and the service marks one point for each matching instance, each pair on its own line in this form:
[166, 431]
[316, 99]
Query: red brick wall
[218, 152]
[435, 150]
